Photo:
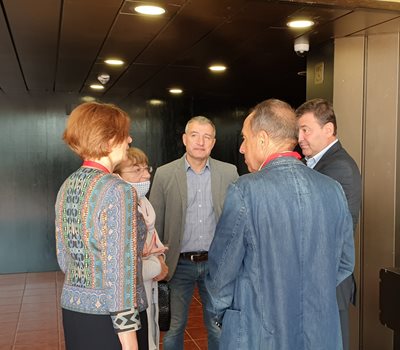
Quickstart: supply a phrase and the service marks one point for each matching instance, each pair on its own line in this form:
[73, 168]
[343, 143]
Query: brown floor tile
[41, 277]
[8, 328]
[39, 291]
[197, 333]
[202, 344]
[9, 308]
[12, 287]
[196, 299]
[10, 300]
[47, 337]
[195, 311]
[196, 305]
[11, 282]
[195, 322]
[37, 347]
[6, 342]
[38, 307]
[11, 293]
[60, 276]
[44, 315]
[9, 317]
[61, 332]
[190, 345]
[25, 325]
[30, 314]
[41, 298]
[41, 285]
[12, 277]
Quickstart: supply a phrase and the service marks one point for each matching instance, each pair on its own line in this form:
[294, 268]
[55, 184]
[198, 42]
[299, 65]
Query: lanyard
[280, 155]
[95, 165]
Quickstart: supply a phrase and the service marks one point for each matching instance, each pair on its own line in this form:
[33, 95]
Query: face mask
[141, 187]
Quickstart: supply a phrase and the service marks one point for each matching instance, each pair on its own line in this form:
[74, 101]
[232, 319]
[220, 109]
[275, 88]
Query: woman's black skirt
[86, 332]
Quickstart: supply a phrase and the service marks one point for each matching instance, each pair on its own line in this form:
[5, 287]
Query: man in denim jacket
[283, 243]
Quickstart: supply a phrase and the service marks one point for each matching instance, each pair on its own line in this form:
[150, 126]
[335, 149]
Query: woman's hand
[164, 269]
[128, 340]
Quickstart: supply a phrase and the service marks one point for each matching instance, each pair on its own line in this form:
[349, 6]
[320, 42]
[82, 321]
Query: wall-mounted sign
[319, 73]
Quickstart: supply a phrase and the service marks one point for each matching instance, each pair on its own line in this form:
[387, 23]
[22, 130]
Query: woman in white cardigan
[136, 171]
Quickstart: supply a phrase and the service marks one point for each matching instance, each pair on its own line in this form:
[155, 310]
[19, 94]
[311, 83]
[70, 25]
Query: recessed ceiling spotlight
[155, 102]
[114, 62]
[300, 23]
[175, 91]
[88, 99]
[150, 10]
[217, 68]
[97, 87]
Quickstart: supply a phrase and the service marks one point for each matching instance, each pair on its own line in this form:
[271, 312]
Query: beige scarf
[153, 244]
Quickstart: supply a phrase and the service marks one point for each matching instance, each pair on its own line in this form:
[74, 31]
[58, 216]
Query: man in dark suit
[324, 153]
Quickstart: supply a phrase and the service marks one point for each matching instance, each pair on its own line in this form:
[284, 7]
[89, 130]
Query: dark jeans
[186, 276]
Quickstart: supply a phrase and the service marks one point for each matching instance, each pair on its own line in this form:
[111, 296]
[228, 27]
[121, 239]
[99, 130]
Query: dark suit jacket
[338, 164]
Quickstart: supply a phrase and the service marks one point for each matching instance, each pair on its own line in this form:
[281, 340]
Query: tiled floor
[30, 317]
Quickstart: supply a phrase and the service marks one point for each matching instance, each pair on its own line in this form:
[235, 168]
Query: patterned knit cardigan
[100, 237]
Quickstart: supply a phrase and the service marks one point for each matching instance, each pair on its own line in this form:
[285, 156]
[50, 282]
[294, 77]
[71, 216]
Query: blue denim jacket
[282, 245]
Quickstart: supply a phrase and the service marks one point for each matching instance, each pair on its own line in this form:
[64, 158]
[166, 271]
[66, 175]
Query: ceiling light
[114, 62]
[217, 68]
[303, 23]
[175, 91]
[97, 87]
[155, 102]
[88, 99]
[150, 10]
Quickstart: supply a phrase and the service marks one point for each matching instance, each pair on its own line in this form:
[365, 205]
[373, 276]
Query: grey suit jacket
[338, 164]
[168, 196]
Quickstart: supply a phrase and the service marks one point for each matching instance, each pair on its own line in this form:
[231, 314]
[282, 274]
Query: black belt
[195, 256]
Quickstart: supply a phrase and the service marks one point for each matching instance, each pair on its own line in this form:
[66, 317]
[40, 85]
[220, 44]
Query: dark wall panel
[320, 72]
[36, 162]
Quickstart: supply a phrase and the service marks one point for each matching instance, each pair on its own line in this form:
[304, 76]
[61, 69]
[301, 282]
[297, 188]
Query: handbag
[164, 307]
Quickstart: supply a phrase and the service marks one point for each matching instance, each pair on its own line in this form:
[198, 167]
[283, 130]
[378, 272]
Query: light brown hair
[93, 127]
[135, 156]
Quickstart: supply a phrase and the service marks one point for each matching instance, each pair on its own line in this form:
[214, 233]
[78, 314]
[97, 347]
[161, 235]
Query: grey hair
[277, 118]
[201, 120]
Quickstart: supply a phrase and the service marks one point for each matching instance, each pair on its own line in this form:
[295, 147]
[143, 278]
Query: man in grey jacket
[188, 196]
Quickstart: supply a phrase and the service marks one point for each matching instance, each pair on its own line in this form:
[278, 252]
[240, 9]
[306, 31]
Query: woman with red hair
[100, 237]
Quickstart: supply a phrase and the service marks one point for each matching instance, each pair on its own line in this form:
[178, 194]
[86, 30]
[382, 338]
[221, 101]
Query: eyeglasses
[137, 170]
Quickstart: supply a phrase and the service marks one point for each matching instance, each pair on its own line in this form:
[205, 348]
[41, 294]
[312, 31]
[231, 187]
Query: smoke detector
[103, 78]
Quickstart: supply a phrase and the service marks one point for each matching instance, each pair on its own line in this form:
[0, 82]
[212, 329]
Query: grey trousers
[344, 325]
